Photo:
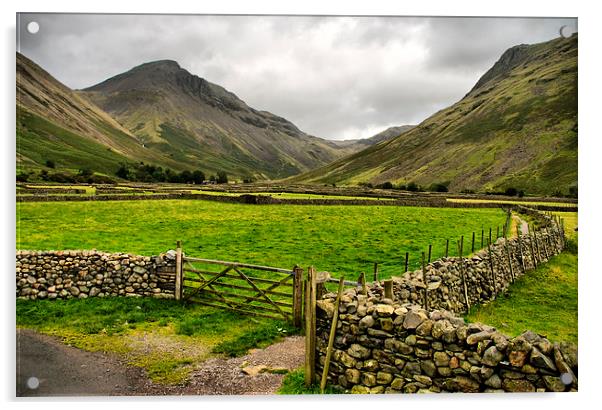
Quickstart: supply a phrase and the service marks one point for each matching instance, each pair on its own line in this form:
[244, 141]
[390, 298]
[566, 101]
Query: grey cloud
[334, 77]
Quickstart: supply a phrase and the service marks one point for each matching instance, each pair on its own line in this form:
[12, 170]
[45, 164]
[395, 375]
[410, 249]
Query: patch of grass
[543, 300]
[294, 383]
[259, 337]
[340, 239]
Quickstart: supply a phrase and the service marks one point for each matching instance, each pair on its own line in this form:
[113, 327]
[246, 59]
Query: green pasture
[543, 300]
[509, 202]
[340, 239]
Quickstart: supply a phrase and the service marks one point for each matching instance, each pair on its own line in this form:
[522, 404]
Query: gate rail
[241, 287]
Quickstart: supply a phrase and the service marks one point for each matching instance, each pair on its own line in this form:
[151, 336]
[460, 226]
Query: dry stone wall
[82, 274]
[386, 347]
[416, 343]
[485, 273]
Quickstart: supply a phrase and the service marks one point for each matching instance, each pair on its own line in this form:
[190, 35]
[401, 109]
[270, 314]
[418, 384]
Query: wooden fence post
[472, 247]
[333, 331]
[310, 327]
[430, 251]
[446, 248]
[407, 260]
[497, 234]
[297, 296]
[482, 238]
[389, 289]
[375, 273]
[179, 275]
[542, 237]
[539, 257]
[426, 296]
[462, 274]
[489, 234]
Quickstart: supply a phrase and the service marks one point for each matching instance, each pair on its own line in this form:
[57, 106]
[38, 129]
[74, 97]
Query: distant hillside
[389, 133]
[516, 128]
[194, 121]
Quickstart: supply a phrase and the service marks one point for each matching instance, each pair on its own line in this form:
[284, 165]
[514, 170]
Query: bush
[222, 177]
[437, 187]
[22, 177]
[413, 187]
[511, 191]
[50, 163]
[385, 185]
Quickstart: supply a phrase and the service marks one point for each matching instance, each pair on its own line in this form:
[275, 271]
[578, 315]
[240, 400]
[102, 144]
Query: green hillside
[516, 128]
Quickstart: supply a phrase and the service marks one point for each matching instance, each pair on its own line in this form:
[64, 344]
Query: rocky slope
[190, 119]
[159, 114]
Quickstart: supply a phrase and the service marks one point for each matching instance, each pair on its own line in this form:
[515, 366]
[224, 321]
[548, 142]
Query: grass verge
[294, 383]
[543, 300]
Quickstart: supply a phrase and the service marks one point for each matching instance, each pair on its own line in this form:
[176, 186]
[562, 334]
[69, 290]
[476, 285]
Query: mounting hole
[33, 383]
[566, 378]
[33, 27]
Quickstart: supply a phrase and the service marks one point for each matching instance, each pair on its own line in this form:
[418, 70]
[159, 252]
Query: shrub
[412, 187]
[437, 187]
[511, 191]
[22, 177]
[50, 163]
[385, 185]
[222, 177]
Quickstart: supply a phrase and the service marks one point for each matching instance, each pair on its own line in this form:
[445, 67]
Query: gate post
[310, 327]
[178, 290]
[297, 296]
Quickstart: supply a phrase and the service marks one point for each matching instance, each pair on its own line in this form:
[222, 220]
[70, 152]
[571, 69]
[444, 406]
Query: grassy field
[503, 201]
[544, 301]
[291, 195]
[166, 338]
[340, 239]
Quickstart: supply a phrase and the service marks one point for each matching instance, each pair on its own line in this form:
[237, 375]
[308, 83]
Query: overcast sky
[334, 77]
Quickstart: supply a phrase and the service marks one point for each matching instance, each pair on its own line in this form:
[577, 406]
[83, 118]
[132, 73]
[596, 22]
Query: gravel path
[47, 367]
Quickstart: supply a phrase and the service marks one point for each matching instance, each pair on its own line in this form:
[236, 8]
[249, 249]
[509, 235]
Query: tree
[412, 187]
[222, 177]
[50, 163]
[386, 185]
[436, 187]
[22, 177]
[123, 172]
[511, 191]
[198, 177]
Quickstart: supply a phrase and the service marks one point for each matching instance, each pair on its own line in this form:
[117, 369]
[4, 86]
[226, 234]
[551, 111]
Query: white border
[589, 171]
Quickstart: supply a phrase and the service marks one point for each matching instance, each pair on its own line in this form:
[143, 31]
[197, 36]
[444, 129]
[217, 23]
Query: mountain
[159, 114]
[359, 144]
[193, 121]
[517, 127]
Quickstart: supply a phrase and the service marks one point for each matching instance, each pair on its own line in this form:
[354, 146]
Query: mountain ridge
[517, 127]
[147, 124]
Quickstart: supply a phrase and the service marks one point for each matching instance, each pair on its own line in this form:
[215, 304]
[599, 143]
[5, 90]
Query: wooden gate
[254, 290]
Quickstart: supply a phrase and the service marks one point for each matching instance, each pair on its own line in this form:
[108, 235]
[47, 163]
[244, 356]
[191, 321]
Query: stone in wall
[387, 347]
[82, 274]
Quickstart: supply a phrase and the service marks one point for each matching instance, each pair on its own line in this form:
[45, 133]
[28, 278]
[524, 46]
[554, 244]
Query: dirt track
[67, 371]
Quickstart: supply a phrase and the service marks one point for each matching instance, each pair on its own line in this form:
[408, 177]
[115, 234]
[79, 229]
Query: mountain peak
[169, 65]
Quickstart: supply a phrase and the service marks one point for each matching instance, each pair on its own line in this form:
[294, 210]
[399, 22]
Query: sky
[334, 77]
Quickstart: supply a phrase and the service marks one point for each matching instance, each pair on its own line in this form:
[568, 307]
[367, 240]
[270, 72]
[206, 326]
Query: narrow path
[47, 367]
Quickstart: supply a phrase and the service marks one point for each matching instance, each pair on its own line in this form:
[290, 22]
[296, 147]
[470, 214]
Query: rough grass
[543, 300]
[294, 383]
[166, 338]
[339, 239]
